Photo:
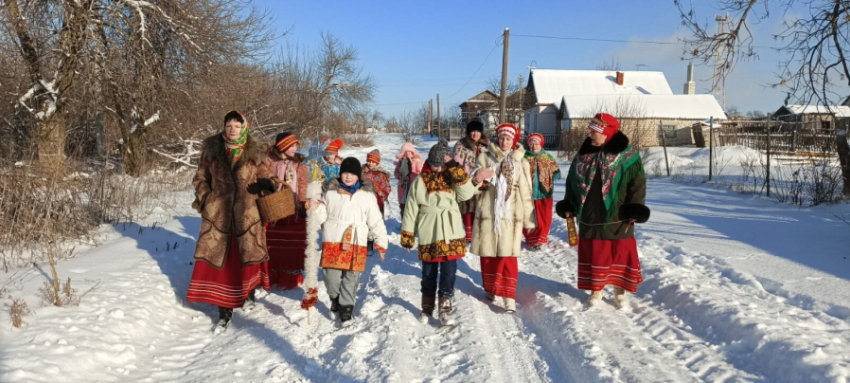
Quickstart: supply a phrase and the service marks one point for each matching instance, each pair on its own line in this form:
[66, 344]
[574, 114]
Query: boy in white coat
[348, 213]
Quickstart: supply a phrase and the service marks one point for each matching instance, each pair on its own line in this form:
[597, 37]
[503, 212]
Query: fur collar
[255, 151]
[364, 186]
[483, 141]
[615, 145]
[497, 153]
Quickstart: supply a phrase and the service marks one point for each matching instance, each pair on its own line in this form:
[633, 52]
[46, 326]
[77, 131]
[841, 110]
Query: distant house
[816, 117]
[485, 107]
[558, 100]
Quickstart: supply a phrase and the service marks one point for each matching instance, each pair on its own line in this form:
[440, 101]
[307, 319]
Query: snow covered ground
[737, 289]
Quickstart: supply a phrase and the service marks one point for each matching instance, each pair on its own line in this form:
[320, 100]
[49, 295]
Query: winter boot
[427, 308]
[250, 302]
[595, 297]
[620, 297]
[345, 314]
[446, 312]
[335, 305]
[490, 297]
[510, 305]
[225, 315]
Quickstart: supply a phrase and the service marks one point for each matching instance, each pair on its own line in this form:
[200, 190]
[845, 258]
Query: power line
[476, 71]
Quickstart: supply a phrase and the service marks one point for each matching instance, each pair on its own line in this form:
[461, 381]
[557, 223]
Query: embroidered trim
[439, 249]
[407, 239]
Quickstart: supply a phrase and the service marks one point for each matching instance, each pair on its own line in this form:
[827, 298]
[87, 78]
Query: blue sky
[415, 50]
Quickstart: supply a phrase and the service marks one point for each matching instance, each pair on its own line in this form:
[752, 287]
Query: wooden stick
[310, 317]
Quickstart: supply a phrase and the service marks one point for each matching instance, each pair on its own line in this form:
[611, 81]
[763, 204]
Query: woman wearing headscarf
[286, 237]
[606, 191]
[231, 252]
[505, 208]
[466, 152]
[544, 173]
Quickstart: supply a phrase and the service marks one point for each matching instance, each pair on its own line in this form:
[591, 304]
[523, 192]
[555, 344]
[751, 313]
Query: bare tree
[128, 50]
[611, 63]
[813, 45]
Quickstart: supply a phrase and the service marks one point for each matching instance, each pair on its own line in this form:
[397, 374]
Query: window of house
[825, 125]
[668, 130]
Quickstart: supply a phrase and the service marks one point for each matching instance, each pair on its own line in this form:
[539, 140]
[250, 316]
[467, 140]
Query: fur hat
[285, 141]
[374, 156]
[438, 153]
[351, 165]
[408, 147]
[508, 130]
[536, 136]
[606, 124]
[473, 126]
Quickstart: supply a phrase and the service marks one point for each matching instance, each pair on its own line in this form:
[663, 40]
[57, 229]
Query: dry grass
[18, 310]
[359, 140]
[39, 210]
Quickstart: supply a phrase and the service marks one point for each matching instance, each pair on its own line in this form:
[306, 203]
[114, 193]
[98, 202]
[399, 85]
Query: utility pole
[439, 122]
[430, 113]
[503, 97]
[521, 108]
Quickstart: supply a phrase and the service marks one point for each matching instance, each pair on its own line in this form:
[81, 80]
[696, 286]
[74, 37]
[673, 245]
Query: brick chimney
[620, 76]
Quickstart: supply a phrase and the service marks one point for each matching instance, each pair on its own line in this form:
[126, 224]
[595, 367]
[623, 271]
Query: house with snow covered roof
[816, 117]
[558, 100]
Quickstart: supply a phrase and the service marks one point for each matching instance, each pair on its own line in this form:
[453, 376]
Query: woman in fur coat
[606, 188]
[466, 152]
[231, 252]
[285, 237]
[505, 208]
[349, 213]
[407, 168]
[432, 213]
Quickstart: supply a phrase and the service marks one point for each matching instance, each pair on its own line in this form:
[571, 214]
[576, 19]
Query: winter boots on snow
[620, 298]
[595, 297]
[335, 305]
[427, 308]
[225, 315]
[510, 305]
[250, 302]
[446, 312]
[345, 314]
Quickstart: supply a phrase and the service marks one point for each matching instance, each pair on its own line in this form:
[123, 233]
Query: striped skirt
[499, 275]
[228, 287]
[608, 262]
[287, 241]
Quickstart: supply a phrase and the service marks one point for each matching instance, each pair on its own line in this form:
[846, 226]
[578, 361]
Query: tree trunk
[844, 160]
[132, 152]
[51, 143]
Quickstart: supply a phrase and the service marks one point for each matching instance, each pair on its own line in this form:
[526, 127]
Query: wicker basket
[277, 205]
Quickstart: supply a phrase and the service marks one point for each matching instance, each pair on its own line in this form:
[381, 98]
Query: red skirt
[499, 275]
[608, 262]
[228, 287]
[287, 241]
[540, 235]
[468, 218]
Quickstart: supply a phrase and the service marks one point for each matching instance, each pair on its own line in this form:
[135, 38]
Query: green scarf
[617, 171]
[236, 147]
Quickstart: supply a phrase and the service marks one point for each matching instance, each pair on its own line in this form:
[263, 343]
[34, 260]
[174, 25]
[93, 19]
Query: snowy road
[736, 289]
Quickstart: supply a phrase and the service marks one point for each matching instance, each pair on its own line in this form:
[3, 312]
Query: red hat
[606, 124]
[374, 156]
[536, 136]
[334, 146]
[509, 130]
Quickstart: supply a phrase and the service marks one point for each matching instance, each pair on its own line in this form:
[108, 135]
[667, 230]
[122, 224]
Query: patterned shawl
[542, 165]
[617, 170]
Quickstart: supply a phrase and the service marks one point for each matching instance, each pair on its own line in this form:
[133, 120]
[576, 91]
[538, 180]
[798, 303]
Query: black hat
[351, 165]
[474, 125]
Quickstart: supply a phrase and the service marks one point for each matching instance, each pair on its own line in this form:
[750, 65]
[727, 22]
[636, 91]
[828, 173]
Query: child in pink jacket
[407, 168]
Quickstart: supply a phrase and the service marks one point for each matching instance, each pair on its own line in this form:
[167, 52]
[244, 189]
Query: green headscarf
[236, 147]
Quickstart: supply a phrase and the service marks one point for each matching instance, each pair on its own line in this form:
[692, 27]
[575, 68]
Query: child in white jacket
[348, 213]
